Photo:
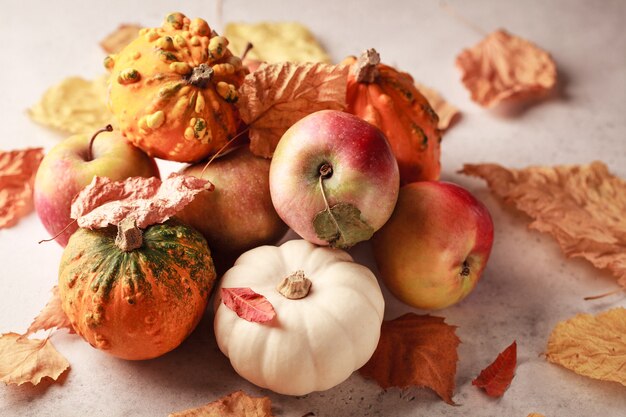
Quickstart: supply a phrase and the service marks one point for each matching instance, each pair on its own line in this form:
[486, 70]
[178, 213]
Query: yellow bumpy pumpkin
[173, 89]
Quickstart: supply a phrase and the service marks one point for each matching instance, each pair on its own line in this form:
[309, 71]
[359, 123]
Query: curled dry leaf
[236, 404]
[496, 378]
[342, 226]
[74, 106]
[17, 173]
[582, 206]
[419, 350]
[593, 346]
[248, 304]
[505, 67]
[447, 112]
[147, 201]
[118, 39]
[275, 42]
[276, 96]
[52, 316]
[29, 360]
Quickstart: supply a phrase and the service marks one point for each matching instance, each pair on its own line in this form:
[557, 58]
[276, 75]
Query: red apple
[67, 169]
[238, 214]
[337, 157]
[434, 248]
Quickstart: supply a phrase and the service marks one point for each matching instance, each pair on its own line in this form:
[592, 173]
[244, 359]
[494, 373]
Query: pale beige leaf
[51, 316]
[447, 112]
[276, 96]
[119, 38]
[28, 360]
[506, 67]
[75, 105]
[593, 346]
[582, 206]
[237, 404]
[17, 174]
[275, 42]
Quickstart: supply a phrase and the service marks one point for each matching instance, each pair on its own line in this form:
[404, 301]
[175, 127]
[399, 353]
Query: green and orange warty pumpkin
[136, 295]
[173, 89]
[388, 99]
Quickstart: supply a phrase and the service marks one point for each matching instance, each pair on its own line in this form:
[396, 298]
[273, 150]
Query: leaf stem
[326, 171]
[221, 150]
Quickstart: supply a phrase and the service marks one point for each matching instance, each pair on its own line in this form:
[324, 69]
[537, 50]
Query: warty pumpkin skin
[388, 99]
[173, 89]
[138, 304]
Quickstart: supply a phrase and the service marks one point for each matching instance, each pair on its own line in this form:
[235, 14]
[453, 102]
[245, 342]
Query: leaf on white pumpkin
[52, 316]
[147, 201]
[29, 360]
[342, 226]
[248, 304]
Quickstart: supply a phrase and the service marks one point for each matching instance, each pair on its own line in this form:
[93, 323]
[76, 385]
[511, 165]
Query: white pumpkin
[314, 342]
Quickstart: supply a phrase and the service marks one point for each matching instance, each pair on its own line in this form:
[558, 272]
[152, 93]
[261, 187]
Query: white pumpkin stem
[295, 286]
[129, 236]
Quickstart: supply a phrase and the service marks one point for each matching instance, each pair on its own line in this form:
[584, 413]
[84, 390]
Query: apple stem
[326, 171]
[222, 149]
[107, 128]
[249, 46]
[58, 234]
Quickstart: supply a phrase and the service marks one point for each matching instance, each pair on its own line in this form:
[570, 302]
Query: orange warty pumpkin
[173, 89]
[388, 99]
[136, 295]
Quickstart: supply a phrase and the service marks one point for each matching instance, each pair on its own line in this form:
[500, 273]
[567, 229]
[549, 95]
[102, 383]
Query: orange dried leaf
[17, 174]
[535, 415]
[52, 316]
[248, 304]
[506, 67]
[146, 200]
[447, 112]
[28, 360]
[118, 39]
[419, 350]
[496, 378]
[276, 96]
[593, 346]
[582, 206]
[237, 404]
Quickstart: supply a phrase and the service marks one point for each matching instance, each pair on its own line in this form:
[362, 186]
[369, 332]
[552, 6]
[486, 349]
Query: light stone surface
[527, 287]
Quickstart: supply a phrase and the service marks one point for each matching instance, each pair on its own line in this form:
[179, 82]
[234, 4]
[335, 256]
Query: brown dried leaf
[118, 39]
[146, 200]
[236, 404]
[52, 316]
[496, 378]
[416, 350]
[275, 42]
[592, 346]
[447, 112]
[505, 67]
[276, 96]
[582, 206]
[535, 415]
[75, 106]
[17, 174]
[28, 360]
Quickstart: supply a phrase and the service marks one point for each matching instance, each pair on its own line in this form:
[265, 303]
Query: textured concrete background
[527, 288]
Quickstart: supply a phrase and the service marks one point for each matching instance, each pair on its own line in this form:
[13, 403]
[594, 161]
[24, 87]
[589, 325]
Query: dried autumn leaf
[17, 173]
[147, 201]
[593, 346]
[248, 304]
[506, 67]
[52, 316]
[236, 404]
[342, 226]
[276, 96]
[75, 106]
[275, 42]
[447, 112]
[418, 350]
[28, 360]
[582, 206]
[535, 415]
[118, 39]
[496, 378]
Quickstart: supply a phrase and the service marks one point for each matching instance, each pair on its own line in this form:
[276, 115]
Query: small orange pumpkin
[388, 99]
[173, 89]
